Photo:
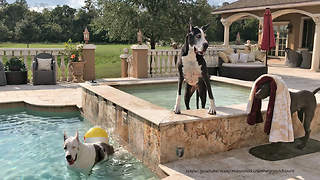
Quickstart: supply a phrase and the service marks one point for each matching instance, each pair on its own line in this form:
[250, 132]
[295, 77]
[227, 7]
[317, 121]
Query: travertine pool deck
[305, 167]
[61, 94]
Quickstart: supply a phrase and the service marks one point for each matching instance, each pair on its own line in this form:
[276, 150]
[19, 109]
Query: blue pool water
[31, 148]
[164, 95]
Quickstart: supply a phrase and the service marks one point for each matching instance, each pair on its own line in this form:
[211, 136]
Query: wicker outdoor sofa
[244, 69]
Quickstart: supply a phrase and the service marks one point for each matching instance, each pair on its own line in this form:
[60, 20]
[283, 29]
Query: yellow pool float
[95, 135]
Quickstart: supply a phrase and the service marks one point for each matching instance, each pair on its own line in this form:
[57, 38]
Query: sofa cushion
[259, 55]
[228, 51]
[246, 65]
[252, 57]
[243, 58]
[233, 57]
[223, 56]
[243, 51]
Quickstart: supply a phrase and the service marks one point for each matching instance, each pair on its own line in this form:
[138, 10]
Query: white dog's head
[196, 38]
[71, 146]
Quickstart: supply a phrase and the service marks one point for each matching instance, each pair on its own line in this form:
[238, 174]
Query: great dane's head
[263, 91]
[71, 147]
[196, 38]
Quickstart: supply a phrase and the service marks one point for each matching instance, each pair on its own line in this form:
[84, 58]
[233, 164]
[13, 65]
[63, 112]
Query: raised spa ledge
[152, 133]
[158, 115]
[146, 110]
[133, 81]
[198, 115]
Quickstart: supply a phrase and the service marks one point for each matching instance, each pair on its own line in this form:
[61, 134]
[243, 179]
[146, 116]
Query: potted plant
[75, 63]
[15, 64]
[16, 72]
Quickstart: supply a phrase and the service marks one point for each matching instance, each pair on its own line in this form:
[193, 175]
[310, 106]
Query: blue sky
[79, 3]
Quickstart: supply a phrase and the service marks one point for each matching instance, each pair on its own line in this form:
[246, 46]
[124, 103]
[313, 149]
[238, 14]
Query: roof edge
[264, 7]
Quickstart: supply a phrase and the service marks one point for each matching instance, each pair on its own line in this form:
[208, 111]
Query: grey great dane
[302, 101]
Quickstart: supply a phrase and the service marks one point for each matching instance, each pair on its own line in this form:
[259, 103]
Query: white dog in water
[83, 156]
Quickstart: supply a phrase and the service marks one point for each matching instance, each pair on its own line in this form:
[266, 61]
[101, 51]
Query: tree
[11, 14]
[64, 16]
[3, 3]
[247, 28]
[82, 20]
[27, 31]
[4, 32]
[50, 33]
[217, 28]
[22, 2]
[117, 19]
[90, 8]
[250, 29]
[164, 20]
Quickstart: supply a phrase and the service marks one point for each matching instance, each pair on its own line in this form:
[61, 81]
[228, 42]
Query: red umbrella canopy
[268, 41]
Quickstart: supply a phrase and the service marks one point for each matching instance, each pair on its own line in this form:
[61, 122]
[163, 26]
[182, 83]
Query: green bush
[15, 64]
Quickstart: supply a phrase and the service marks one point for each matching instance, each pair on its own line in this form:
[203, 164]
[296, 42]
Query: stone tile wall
[137, 135]
[154, 144]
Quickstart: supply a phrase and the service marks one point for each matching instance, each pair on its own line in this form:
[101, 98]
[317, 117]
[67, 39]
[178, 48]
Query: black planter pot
[14, 68]
[16, 77]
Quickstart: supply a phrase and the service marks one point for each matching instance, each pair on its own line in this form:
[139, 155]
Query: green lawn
[108, 62]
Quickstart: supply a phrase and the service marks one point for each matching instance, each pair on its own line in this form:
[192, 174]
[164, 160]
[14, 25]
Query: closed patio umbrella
[268, 41]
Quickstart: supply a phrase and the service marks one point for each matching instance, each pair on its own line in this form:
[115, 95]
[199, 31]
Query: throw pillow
[243, 51]
[223, 56]
[260, 56]
[233, 57]
[252, 57]
[243, 58]
[228, 51]
[44, 64]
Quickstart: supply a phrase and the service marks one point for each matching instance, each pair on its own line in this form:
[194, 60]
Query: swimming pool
[31, 148]
[164, 95]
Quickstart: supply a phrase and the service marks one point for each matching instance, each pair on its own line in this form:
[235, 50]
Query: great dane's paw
[177, 110]
[212, 111]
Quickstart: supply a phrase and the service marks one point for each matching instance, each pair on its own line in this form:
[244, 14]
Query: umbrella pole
[267, 60]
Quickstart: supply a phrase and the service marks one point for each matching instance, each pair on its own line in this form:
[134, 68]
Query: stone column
[124, 63]
[226, 25]
[140, 61]
[260, 31]
[316, 45]
[88, 54]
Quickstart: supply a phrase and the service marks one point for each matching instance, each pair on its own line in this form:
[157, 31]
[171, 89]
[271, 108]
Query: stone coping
[39, 107]
[162, 116]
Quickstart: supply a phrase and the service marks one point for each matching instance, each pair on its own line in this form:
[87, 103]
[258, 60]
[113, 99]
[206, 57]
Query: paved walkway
[295, 78]
[50, 95]
[305, 167]
[217, 166]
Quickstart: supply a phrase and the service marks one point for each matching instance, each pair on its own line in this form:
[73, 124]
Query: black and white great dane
[193, 68]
